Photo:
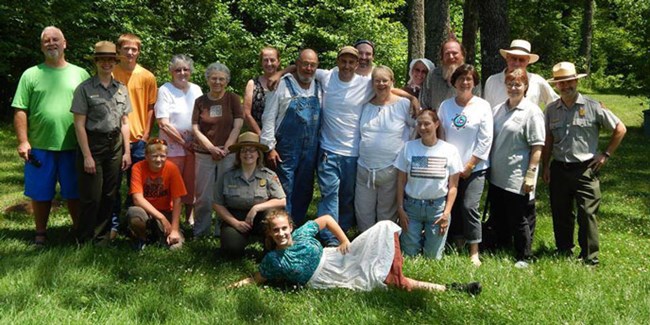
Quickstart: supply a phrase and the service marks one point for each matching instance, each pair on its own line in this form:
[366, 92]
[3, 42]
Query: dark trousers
[509, 218]
[234, 242]
[97, 191]
[575, 183]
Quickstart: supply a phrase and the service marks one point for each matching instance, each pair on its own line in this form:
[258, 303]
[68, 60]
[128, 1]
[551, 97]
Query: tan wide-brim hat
[248, 139]
[348, 50]
[522, 48]
[565, 71]
[105, 49]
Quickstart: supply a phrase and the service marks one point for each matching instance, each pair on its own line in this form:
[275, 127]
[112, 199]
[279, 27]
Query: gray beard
[52, 54]
[448, 70]
[303, 79]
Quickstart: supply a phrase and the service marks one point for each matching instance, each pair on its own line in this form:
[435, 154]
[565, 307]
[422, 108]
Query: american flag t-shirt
[428, 167]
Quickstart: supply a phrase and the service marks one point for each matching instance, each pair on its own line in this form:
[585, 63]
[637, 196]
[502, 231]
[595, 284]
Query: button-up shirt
[575, 129]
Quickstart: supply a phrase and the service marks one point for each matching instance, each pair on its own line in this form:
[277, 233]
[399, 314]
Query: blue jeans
[422, 215]
[337, 181]
[297, 145]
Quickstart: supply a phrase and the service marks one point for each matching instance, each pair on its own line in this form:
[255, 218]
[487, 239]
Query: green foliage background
[233, 31]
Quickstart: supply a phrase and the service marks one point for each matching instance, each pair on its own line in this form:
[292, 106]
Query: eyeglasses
[179, 70]
[305, 65]
[248, 150]
[515, 85]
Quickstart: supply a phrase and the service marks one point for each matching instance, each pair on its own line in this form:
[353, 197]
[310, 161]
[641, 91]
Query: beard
[304, 79]
[448, 70]
[52, 54]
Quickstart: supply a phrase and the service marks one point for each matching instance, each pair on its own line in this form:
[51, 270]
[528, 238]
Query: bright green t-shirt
[45, 93]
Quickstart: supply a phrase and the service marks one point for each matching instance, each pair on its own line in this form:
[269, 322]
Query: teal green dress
[298, 262]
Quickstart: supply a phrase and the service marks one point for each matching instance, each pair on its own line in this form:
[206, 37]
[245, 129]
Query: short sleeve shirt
[298, 262]
[575, 129]
[237, 192]
[103, 107]
[158, 188]
[177, 106]
[515, 131]
[45, 93]
[143, 89]
[428, 168]
[216, 118]
[539, 90]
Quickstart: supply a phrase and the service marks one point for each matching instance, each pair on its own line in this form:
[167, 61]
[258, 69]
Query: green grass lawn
[66, 284]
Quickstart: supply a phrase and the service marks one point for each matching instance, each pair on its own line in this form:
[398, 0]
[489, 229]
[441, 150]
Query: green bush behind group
[233, 32]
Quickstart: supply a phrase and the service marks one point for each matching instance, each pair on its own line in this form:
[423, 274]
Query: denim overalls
[297, 144]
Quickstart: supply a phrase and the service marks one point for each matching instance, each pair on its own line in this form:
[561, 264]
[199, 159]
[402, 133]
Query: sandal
[40, 238]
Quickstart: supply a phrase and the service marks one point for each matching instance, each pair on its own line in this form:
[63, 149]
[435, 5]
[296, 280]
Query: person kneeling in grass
[157, 187]
[372, 260]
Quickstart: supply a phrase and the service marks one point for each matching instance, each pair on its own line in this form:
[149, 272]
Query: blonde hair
[128, 37]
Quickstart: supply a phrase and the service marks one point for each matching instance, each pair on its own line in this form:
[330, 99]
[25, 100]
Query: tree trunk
[416, 30]
[436, 13]
[470, 28]
[587, 33]
[495, 35]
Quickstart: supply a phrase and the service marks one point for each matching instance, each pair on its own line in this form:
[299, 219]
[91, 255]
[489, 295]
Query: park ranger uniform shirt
[575, 129]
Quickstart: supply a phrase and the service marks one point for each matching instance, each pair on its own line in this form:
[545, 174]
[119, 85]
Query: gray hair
[53, 28]
[217, 67]
[181, 59]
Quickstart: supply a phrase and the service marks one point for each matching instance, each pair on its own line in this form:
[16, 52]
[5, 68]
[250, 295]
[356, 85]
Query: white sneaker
[521, 264]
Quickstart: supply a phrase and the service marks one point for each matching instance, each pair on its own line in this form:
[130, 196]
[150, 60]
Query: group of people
[406, 165]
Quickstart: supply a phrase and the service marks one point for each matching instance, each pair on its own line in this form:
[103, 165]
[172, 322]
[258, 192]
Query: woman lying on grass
[373, 260]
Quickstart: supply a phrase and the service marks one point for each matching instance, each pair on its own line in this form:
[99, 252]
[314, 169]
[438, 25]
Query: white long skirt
[367, 264]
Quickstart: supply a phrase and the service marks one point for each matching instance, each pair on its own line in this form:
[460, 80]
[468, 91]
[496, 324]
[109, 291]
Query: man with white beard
[437, 87]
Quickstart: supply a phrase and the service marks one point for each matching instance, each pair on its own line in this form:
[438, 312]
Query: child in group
[427, 180]
[372, 260]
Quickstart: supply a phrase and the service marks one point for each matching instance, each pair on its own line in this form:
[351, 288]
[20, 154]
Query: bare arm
[234, 133]
[174, 235]
[126, 133]
[228, 218]
[415, 103]
[215, 152]
[531, 173]
[452, 187]
[272, 83]
[256, 279]
[328, 222]
[248, 107]
[617, 136]
[170, 130]
[148, 125]
[264, 206]
[20, 125]
[82, 139]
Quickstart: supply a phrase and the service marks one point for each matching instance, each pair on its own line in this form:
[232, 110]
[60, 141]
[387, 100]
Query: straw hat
[520, 47]
[248, 139]
[565, 71]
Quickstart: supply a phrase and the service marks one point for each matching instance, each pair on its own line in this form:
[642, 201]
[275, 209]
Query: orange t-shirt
[158, 188]
[142, 91]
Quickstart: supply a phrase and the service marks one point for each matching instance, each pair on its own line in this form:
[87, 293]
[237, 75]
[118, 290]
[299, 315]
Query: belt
[423, 202]
[573, 165]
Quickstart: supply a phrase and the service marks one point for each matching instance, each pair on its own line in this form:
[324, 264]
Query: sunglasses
[156, 141]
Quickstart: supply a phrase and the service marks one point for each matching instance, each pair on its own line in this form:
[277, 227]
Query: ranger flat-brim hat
[105, 49]
[520, 47]
[248, 139]
[565, 71]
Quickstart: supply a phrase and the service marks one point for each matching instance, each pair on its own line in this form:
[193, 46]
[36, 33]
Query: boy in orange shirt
[157, 187]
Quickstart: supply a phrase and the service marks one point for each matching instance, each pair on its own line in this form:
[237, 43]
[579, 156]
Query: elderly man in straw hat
[518, 56]
[100, 106]
[572, 126]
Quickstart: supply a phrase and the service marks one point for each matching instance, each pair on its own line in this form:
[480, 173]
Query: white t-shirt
[276, 106]
[384, 130]
[539, 90]
[177, 106]
[428, 168]
[342, 104]
[468, 128]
